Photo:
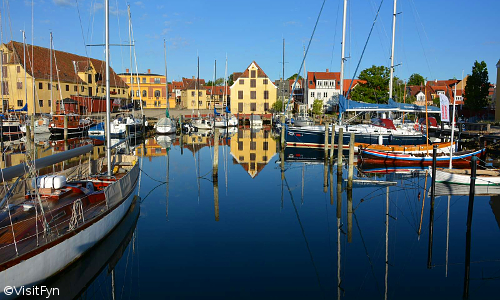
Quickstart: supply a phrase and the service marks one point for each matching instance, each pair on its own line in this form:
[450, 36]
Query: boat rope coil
[76, 215]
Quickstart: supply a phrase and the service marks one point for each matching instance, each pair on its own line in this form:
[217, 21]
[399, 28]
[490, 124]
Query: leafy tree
[317, 107]
[436, 101]
[376, 88]
[230, 80]
[416, 79]
[278, 105]
[295, 76]
[398, 89]
[218, 82]
[476, 90]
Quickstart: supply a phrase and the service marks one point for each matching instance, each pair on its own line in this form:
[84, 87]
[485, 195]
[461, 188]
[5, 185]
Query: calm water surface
[271, 236]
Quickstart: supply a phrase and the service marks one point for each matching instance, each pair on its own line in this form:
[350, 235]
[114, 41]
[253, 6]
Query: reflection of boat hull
[462, 177]
[54, 256]
[74, 130]
[77, 277]
[445, 189]
[304, 154]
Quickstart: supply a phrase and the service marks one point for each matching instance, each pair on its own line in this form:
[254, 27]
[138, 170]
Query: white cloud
[64, 2]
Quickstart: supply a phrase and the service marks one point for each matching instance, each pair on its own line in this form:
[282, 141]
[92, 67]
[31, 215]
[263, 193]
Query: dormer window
[440, 92]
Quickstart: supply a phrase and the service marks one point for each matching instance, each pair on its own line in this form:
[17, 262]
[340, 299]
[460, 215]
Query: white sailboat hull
[464, 179]
[54, 259]
[165, 129]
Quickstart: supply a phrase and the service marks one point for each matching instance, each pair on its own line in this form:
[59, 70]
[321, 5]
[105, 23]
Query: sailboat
[58, 219]
[165, 125]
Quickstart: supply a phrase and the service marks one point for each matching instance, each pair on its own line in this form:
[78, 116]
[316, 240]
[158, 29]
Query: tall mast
[342, 54]
[225, 85]
[166, 78]
[283, 79]
[1, 77]
[304, 81]
[392, 49]
[25, 70]
[131, 63]
[453, 127]
[213, 84]
[108, 102]
[51, 93]
[197, 85]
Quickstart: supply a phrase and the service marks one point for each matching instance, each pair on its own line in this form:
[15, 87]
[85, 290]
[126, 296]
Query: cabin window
[240, 95]
[253, 83]
[253, 73]
[253, 106]
[253, 95]
[266, 95]
[40, 103]
[19, 102]
[40, 86]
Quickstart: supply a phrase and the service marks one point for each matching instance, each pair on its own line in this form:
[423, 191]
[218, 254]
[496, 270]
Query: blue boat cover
[351, 105]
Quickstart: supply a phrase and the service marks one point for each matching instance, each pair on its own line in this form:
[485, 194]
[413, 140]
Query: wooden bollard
[65, 127]
[332, 144]
[340, 149]
[351, 160]
[327, 128]
[216, 155]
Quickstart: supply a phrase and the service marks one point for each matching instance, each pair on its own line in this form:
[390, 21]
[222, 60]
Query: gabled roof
[177, 85]
[246, 73]
[218, 90]
[193, 85]
[313, 76]
[355, 82]
[63, 62]
[188, 81]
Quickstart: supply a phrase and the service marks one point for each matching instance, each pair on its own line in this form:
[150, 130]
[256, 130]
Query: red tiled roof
[313, 76]
[246, 73]
[188, 81]
[347, 83]
[177, 85]
[63, 61]
[218, 90]
[193, 85]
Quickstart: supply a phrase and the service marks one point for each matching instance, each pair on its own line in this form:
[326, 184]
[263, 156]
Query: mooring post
[327, 128]
[216, 156]
[216, 200]
[331, 185]
[325, 174]
[65, 127]
[332, 144]
[431, 215]
[351, 160]
[468, 237]
[340, 149]
[349, 214]
[283, 132]
[339, 195]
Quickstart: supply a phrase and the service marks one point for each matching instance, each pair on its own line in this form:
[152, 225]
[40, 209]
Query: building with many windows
[253, 150]
[252, 92]
[194, 95]
[72, 75]
[150, 88]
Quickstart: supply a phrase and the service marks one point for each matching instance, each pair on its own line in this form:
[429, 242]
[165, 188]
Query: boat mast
[25, 71]
[283, 80]
[108, 102]
[342, 60]
[392, 49]
[166, 78]
[225, 86]
[453, 127]
[131, 62]
[197, 85]
[426, 119]
[51, 93]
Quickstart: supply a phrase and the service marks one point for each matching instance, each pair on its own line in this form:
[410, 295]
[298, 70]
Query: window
[89, 78]
[241, 158]
[266, 95]
[136, 93]
[144, 93]
[40, 103]
[265, 145]
[253, 83]
[57, 86]
[19, 102]
[144, 80]
[253, 135]
[253, 106]
[156, 103]
[5, 88]
[319, 83]
[240, 95]
[242, 81]
[253, 95]
[83, 89]
[240, 107]
[266, 106]
[264, 81]
[18, 69]
[4, 71]
[19, 85]
[253, 145]
[252, 156]
[253, 74]
[102, 90]
[440, 92]
[114, 90]
[67, 88]
[157, 94]
[310, 82]
[49, 103]
[157, 80]
[199, 94]
[200, 103]
[252, 167]
[75, 88]
[40, 86]
[312, 94]
[192, 93]
[325, 94]
[240, 146]
[49, 86]
[266, 134]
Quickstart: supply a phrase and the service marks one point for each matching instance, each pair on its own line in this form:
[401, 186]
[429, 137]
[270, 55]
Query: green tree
[376, 88]
[317, 107]
[230, 80]
[294, 76]
[416, 79]
[398, 89]
[476, 90]
[278, 105]
[436, 101]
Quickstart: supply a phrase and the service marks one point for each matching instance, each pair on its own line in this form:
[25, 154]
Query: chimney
[149, 71]
[126, 70]
[327, 70]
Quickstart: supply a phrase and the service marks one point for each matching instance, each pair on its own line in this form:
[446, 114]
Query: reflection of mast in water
[447, 234]
[282, 166]
[113, 283]
[216, 199]
[197, 171]
[302, 192]
[386, 243]
[339, 214]
[168, 179]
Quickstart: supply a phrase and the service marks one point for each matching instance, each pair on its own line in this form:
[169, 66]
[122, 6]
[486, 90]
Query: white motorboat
[255, 121]
[165, 126]
[202, 123]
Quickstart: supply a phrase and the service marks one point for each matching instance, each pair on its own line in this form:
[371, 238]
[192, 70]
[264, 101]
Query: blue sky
[437, 39]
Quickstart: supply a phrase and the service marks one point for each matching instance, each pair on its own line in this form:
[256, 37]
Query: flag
[444, 103]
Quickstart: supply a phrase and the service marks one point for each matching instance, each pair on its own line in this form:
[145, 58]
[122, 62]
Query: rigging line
[304, 235]
[152, 177]
[119, 31]
[81, 28]
[145, 197]
[364, 49]
[420, 38]
[335, 35]
[305, 55]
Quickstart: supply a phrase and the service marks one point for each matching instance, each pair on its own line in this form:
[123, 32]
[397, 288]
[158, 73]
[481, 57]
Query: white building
[324, 86]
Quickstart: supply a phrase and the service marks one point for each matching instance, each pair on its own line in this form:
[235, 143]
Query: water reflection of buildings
[253, 150]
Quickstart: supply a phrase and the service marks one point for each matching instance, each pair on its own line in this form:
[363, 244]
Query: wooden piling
[65, 127]
[332, 144]
[216, 200]
[340, 149]
[349, 215]
[327, 128]
[325, 174]
[468, 235]
[339, 195]
[216, 156]
[351, 160]
[331, 185]
[431, 216]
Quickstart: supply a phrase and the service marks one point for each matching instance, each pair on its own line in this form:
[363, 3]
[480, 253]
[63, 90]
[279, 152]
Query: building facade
[150, 88]
[252, 92]
[194, 96]
[72, 75]
[253, 150]
[323, 86]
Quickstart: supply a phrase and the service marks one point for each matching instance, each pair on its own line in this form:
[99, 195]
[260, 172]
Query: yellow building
[150, 88]
[252, 92]
[72, 75]
[190, 100]
[253, 150]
